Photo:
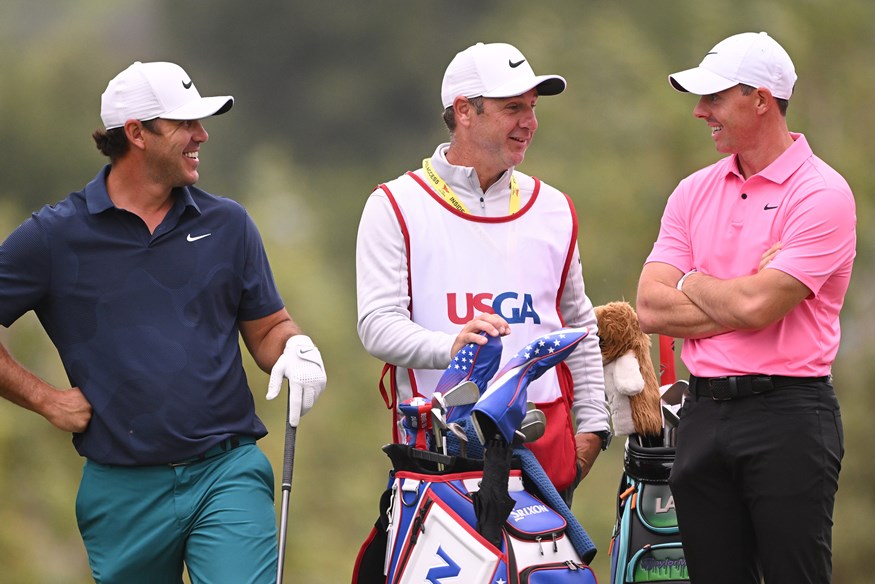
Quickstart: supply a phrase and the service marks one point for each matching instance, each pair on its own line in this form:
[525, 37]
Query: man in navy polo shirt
[144, 283]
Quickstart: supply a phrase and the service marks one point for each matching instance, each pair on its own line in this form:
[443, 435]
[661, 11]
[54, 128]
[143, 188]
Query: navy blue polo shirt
[146, 324]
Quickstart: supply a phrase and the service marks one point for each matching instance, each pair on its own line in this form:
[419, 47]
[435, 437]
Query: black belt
[737, 386]
[224, 446]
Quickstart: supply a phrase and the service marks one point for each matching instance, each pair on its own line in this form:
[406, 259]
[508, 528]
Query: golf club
[532, 427]
[460, 434]
[439, 426]
[465, 393]
[288, 460]
[674, 394]
[670, 423]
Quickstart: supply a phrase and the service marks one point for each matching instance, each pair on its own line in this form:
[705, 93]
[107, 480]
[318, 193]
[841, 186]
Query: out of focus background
[333, 98]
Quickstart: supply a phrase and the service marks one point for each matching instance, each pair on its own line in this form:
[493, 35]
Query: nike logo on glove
[191, 238]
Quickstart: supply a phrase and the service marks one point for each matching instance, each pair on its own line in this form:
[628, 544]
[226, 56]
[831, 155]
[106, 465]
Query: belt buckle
[185, 462]
[761, 384]
[722, 391]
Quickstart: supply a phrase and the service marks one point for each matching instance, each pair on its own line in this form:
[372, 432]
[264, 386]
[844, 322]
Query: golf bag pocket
[645, 545]
[432, 532]
[563, 573]
[536, 532]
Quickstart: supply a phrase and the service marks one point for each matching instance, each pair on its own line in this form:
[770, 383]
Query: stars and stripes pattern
[504, 402]
[475, 363]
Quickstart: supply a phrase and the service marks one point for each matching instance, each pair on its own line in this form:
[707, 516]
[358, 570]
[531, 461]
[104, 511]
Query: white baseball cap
[749, 58]
[145, 91]
[494, 70]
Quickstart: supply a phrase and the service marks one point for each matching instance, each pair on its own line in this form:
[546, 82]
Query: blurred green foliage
[332, 99]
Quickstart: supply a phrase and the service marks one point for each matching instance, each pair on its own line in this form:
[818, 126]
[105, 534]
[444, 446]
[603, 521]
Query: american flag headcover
[504, 402]
[475, 363]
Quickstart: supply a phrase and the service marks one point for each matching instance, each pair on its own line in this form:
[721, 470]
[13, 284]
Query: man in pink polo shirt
[750, 268]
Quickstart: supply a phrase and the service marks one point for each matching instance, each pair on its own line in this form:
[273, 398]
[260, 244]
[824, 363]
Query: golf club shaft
[288, 460]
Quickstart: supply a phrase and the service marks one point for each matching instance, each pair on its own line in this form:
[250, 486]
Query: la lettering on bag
[645, 545]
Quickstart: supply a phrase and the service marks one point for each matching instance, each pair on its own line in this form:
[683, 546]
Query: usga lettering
[507, 305]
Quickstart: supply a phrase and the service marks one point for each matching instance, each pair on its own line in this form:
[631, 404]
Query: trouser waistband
[224, 446]
[739, 386]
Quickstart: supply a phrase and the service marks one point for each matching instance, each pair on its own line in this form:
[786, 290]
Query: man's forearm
[663, 309]
[747, 302]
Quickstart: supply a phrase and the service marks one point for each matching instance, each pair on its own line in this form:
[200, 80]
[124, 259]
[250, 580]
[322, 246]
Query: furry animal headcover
[631, 385]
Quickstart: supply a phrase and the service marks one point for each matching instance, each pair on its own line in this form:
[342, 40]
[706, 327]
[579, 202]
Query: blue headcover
[504, 402]
[475, 363]
[543, 488]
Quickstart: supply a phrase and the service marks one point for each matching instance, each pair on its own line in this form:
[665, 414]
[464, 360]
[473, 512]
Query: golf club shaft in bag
[288, 460]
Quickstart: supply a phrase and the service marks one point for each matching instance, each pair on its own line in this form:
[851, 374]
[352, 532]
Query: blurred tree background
[333, 98]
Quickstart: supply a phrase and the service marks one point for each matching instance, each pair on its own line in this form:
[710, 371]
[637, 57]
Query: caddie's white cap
[749, 58]
[145, 91]
[494, 70]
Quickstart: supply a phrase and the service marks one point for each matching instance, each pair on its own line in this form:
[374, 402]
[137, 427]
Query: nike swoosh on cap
[191, 237]
[187, 85]
[514, 65]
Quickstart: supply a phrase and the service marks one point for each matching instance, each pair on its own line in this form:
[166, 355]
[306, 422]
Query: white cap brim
[700, 81]
[546, 85]
[201, 108]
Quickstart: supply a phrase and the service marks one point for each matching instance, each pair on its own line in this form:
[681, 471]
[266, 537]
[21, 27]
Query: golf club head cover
[416, 421]
[476, 363]
[504, 402]
[300, 363]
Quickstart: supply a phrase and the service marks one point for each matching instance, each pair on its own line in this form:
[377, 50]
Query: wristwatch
[606, 438]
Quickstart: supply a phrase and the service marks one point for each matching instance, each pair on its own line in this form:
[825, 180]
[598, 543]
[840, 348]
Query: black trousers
[754, 483]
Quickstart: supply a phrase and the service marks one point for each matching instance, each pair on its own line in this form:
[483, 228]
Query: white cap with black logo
[494, 70]
[749, 58]
[145, 91]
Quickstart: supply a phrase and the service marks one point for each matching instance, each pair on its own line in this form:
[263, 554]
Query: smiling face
[494, 137]
[732, 117]
[505, 129]
[173, 150]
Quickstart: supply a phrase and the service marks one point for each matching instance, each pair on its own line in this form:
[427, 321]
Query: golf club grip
[289, 456]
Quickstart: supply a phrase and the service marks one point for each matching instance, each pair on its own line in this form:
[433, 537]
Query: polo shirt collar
[782, 167]
[98, 200]
[464, 176]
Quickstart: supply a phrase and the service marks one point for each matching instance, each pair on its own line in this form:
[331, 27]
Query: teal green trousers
[216, 516]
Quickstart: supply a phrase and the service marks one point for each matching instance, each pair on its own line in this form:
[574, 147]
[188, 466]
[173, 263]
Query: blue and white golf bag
[427, 528]
[430, 527]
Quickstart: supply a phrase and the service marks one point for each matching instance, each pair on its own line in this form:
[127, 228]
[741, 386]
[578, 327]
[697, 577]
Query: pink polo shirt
[721, 224]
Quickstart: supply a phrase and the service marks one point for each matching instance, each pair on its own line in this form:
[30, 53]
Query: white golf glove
[302, 365]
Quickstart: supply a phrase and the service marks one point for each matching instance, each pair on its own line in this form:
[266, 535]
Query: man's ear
[764, 100]
[464, 111]
[134, 131]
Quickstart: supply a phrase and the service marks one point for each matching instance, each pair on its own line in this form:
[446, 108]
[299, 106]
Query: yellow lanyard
[445, 191]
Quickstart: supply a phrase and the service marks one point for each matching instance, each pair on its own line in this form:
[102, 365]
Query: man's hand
[300, 363]
[768, 255]
[492, 324]
[587, 447]
[69, 410]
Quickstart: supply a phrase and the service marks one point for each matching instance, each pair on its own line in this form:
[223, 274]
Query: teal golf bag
[645, 545]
